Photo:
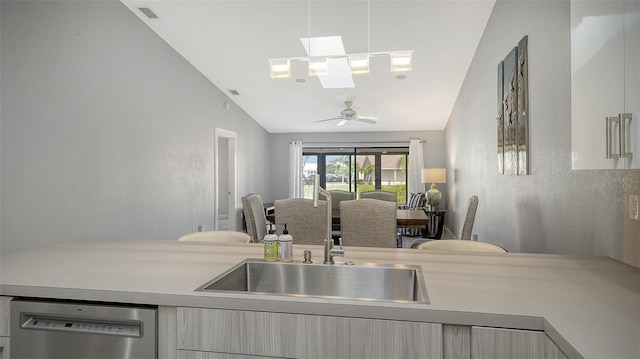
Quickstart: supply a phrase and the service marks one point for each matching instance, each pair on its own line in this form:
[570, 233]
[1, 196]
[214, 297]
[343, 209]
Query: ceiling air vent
[150, 14]
[234, 92]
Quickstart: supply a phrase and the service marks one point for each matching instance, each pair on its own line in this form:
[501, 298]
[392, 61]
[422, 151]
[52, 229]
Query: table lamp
[433, 176]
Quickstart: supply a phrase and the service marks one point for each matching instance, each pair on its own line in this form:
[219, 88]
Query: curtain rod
[353, 143]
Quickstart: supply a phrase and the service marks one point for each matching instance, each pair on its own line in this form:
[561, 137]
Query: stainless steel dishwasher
[82, 330]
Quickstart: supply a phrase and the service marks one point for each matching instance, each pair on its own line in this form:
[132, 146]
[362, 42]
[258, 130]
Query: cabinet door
[597, 79]
[189, 354]
[305, 336]
[494, 343]
[167, 347]
[5, 309]
[456, 341]
[551, 350]
[632, 76]
[5, 350]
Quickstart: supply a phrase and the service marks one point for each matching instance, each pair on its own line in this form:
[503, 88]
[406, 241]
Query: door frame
[232, 177]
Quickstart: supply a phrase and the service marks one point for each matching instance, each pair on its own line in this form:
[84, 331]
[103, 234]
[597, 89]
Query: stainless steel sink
[379, 282]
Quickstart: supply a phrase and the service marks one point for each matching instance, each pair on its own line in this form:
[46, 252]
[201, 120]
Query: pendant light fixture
[359, 63]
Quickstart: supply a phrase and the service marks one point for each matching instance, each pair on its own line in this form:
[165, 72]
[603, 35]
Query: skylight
[339, 75]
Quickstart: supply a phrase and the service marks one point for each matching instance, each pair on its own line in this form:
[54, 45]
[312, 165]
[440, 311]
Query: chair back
[217, 236]
[253, 210]
[461, 246]
[338, 196]
[307, 224]
[368, 223]
[467, 227]
[380, 195]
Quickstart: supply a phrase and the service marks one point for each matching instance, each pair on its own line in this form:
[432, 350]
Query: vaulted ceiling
[230, 43]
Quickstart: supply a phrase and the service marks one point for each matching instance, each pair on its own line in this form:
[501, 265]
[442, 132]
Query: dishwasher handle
[131, 329]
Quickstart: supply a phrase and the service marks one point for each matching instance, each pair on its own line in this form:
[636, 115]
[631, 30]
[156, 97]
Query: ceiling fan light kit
[349, 114]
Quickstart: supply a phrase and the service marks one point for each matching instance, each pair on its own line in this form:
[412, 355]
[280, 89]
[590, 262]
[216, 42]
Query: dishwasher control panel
[63, 329]
[83, 326]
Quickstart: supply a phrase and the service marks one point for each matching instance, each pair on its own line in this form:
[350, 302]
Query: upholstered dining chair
[307, 224]
[253, 210]
[338, 196]
[380, 195]
[217, 236]
[368, 223]
[460, 245]
[470, 217]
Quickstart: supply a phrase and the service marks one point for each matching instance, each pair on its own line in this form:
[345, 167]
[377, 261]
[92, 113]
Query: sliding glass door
[357, 170]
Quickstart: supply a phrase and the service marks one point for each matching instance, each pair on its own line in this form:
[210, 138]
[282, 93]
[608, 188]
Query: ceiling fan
[349, 114]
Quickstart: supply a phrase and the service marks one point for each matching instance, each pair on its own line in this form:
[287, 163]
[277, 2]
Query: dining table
[405, 218]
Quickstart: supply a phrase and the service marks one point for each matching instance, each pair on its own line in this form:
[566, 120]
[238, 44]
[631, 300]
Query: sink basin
[379, 282]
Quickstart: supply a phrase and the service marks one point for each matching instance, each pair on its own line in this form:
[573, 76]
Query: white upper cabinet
[632, 75]
[605, 81]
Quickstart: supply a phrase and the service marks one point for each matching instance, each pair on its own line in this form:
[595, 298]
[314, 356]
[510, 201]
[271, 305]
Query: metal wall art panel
[513, 112]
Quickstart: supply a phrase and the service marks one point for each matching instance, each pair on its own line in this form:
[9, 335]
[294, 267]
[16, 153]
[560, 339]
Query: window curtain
[295, 169]
[416, 163]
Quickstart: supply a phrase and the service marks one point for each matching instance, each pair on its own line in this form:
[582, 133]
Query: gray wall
[555, 209]
[106, 131]
[434, 155]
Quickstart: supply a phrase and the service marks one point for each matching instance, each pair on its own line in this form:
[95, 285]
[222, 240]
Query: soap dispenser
[286, 246]
[271, 245]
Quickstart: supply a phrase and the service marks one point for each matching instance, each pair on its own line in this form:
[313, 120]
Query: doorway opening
[225, 208]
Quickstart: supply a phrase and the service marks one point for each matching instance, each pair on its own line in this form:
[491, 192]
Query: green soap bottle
[271, 245]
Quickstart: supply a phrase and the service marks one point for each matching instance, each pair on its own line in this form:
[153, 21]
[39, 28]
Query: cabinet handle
[622, 119]
[609, 140]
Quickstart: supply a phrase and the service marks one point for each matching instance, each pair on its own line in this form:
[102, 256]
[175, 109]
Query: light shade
[434, 175]
[359, 63]
[280, 68]
[318, 66]
[401, 61]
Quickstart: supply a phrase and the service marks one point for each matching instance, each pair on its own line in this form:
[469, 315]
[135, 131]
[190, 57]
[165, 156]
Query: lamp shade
[434, 175]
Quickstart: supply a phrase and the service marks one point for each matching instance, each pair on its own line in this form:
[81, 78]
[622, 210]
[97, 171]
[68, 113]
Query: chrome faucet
[330, 250]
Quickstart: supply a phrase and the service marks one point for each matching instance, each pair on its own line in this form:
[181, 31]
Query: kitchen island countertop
[586, 304]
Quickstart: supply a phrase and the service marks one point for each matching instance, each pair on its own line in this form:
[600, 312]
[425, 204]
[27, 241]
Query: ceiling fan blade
[343, 122]
[331, 119]
[367, 119]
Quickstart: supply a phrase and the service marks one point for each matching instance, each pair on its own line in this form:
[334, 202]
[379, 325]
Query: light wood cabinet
[167, 337]
[467, 342]
[494, 343]
[190, 354]
[5, 350]
[605, 82]
[498, 343]
[551, 350]
[304, 336]
[5, 309]
[456, 341]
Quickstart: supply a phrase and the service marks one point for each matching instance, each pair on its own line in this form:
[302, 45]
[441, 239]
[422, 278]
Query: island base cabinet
[5, 309]
[5, 351]
[496, 343]
[284, 335]
[190, 354]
